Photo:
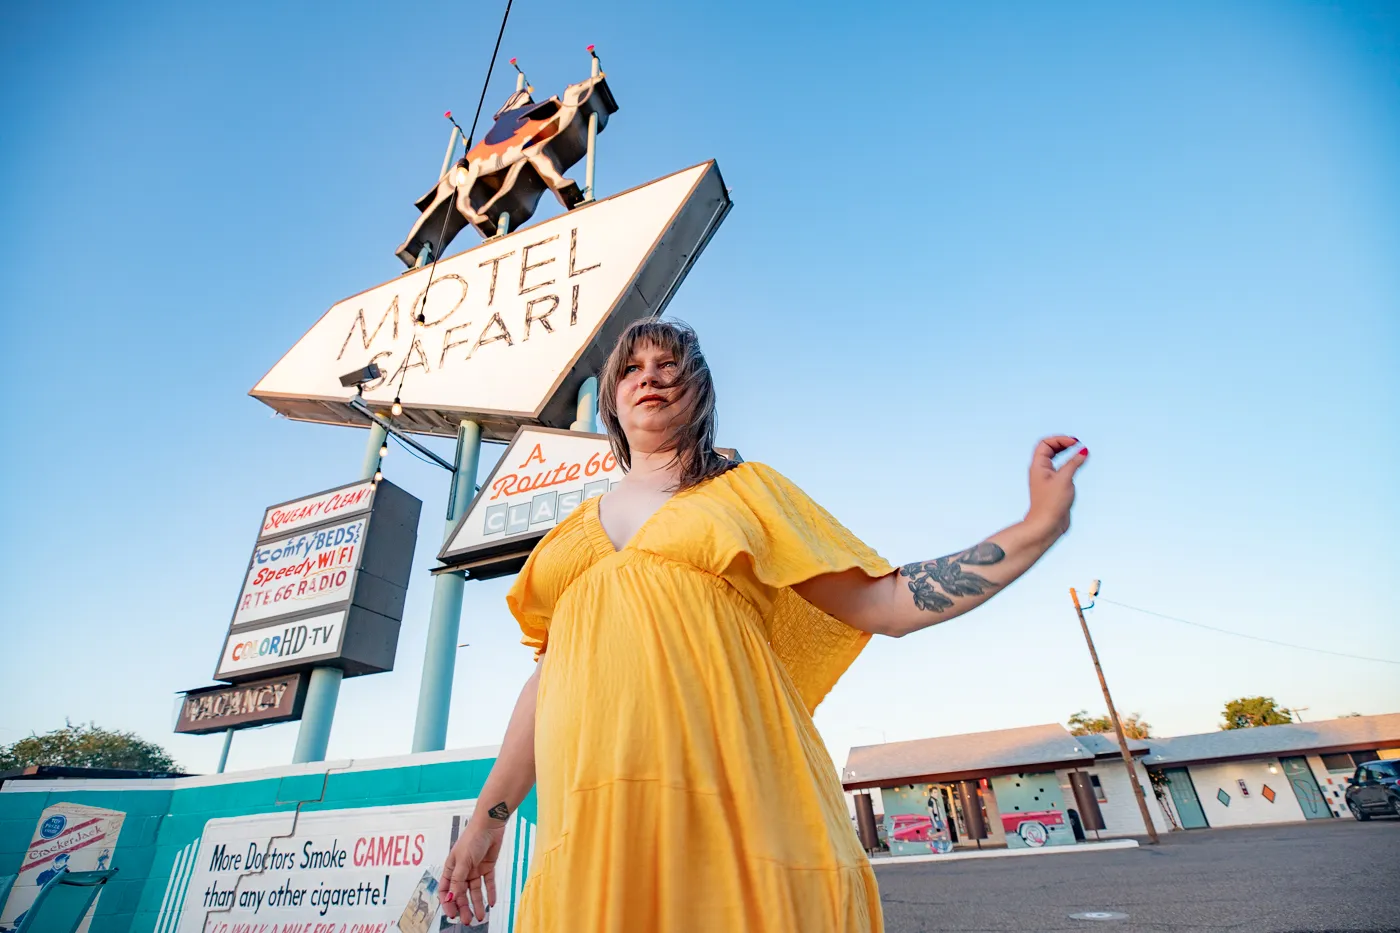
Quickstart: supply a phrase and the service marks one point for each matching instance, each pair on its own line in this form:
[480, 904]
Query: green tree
[86, 746]
[1246, 712]
[1081, 723]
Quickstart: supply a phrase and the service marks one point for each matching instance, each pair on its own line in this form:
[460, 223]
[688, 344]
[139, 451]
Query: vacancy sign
[543, 476]
[511, 328]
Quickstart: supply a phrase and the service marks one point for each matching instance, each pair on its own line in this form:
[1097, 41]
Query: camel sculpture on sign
[527, 150]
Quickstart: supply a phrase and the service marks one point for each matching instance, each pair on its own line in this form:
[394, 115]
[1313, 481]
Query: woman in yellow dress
[687, 624]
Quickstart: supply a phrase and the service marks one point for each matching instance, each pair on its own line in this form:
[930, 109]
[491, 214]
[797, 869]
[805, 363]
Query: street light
[1113, 711]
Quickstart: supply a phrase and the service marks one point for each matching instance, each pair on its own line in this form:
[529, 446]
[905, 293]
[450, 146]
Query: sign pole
[315, 734]
[451, 150]
[445, 617]
[223, 755]
[585, 416]
[592, 137]
[323, 689]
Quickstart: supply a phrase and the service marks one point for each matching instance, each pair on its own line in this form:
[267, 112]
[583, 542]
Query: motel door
[1305, 788]
[1188, 805]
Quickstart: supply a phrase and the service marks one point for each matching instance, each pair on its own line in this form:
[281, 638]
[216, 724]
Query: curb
[956, 856]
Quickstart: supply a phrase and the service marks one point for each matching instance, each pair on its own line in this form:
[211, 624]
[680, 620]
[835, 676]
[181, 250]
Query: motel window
[1098, 788]
[1338, 762]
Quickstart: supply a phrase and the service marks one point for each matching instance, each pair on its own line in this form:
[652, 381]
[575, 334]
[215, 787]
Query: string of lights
[420, 315]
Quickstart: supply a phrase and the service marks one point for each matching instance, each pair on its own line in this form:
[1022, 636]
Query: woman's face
[648, 410]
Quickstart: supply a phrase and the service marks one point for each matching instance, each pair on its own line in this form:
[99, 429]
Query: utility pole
[1117, 725]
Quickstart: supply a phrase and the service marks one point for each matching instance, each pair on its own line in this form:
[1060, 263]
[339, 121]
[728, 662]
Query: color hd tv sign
[325, 584]
[511, 328]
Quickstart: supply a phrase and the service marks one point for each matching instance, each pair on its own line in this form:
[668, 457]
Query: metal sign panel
[326, 583]
[294, 643]
[313, 510]
[543, 476]
[309, 570]
[512, 327]
[256, 703]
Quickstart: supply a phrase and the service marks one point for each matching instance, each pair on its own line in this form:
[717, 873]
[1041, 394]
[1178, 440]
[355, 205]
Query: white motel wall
[1216, 763]
[1121, 816]
[1242, 809]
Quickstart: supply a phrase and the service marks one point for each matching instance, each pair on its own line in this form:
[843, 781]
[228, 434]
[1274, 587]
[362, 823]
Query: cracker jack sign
[67, 837]
[511, 328]
[326, 583]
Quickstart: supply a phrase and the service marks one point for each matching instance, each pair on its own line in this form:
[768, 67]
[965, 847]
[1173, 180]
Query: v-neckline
[601, 536]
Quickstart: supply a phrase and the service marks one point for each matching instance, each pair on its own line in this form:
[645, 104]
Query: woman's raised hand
[1052, 490]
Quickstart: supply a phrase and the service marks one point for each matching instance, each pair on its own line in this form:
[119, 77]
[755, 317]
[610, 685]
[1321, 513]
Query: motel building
[1039, 786]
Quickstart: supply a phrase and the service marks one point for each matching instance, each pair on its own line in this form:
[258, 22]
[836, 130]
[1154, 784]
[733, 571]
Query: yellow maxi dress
[682, 785]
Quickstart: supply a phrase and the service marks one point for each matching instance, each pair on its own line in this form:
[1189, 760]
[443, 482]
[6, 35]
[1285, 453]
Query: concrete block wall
[164, 819]
[1333, 784]
[1121, 816]
[135, 854]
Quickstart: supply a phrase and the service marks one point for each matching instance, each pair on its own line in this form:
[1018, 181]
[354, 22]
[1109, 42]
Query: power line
[1225, 631]
[421, 312]
[414, 452]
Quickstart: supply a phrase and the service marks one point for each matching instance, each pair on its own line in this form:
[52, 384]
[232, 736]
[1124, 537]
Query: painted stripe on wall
[183, 888]
[173, 891]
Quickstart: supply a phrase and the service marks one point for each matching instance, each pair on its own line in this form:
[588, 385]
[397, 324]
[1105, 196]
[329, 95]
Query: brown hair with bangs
[693, 443]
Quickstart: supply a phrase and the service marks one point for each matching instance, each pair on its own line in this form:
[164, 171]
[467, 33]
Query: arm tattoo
[499, 812]
[927, 577]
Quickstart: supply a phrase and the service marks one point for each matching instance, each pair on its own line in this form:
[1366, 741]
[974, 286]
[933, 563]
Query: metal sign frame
[283, 712]
[689, 229]
[372, 609]
[506, 555]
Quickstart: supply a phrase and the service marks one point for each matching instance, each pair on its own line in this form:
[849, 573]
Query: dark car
[1373, 790]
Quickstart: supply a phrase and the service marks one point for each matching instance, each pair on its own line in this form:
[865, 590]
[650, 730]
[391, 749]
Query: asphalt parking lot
[1334, 875]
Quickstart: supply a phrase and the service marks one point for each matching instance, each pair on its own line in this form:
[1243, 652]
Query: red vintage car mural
[911, 827]
[1033, 828]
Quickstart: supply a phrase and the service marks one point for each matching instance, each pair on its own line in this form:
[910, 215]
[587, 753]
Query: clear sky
[1172, 231]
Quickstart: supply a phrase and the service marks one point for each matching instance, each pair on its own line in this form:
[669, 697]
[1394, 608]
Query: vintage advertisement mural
[916, 820]
[66, 836]
[372, 869]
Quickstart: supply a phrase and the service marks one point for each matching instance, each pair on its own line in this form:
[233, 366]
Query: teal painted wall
[135, 851]
[162, 822]
[1032, 810]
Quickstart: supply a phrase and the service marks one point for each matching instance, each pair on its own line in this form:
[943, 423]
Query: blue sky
[1171, 231]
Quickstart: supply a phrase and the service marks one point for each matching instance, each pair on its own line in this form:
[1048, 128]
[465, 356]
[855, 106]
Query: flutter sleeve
[529, 608]
[559, 559]
[789, 539]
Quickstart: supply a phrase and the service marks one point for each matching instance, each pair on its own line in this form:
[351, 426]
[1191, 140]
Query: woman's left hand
[1052, 490]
